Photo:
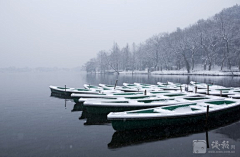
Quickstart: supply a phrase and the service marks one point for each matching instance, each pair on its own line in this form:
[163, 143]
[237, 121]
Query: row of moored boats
[140, 106]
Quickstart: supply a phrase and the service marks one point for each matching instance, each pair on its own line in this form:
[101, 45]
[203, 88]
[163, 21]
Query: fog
[67, 33]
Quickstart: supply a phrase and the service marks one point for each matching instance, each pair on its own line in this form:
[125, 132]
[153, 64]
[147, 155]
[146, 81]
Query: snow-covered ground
[184, 72]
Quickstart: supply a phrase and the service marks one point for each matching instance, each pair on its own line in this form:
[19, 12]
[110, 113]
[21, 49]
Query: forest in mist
[208, 44]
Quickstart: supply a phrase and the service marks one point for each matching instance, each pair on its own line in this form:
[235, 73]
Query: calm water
[32, 123]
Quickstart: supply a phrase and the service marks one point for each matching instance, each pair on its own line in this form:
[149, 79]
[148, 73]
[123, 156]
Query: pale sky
[67, 33]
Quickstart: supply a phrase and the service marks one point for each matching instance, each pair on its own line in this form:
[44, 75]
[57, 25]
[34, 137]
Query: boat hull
[60, 93]
[141, 123]
[107, 109]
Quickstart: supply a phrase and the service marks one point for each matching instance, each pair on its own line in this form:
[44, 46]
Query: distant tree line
[208, 43]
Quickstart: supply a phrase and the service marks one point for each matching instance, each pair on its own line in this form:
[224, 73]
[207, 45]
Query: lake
[34, 123]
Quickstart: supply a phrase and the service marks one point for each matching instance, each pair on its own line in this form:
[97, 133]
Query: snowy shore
[175, 72]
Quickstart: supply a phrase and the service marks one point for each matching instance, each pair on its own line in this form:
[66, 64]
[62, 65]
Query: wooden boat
[129, 85]
[105, 107]
[141, 102]
[130, 88]
[97, 88]
[68, 91]
[147, 86]
[234, 96]
[180, 114]
[210, 86]
[198, 85]
[220, 93]
[118, 93]
[109, 86]
[144, 136]
[107, 95]
[215, 92]
[138, 87]
[151, 87]
[171, 86]
[79, 98]
[163, 84]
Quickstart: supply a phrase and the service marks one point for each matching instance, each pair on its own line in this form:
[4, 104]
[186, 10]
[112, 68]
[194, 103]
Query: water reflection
[77, 107]
[92, 119]
[65, 98]
[128, 138]
[60, 96]
[96, 119]
[230, 131]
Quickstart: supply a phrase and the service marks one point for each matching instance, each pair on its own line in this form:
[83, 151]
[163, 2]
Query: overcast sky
[67, 33]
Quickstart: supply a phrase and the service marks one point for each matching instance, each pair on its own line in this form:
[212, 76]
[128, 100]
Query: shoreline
[173, 72]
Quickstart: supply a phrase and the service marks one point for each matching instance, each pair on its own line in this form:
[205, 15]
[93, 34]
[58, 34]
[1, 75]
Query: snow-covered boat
[98, 88]
[234, 96]
[210, 86]
[141, 102]
[108, 95]
[140, 87]
[171, 86]
[109, 86]
[180, 114]
[68, 91]
[198, 85]
[128, 95]
[78, 98]
[105, 107]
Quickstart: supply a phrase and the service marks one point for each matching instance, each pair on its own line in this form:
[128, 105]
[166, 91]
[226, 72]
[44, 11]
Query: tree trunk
[192, 63]
[193, 59]
[222, 63]
[229, 64]
[210, 66]
[186, 63]
[205, 65]
[239, 63]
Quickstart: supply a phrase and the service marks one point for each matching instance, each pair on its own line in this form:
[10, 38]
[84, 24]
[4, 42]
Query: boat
[109, 86]
[107, 95]
[136, 87]
[117, 94]
[143, 136]
[198, 85]
[105, 107]
[99, 95]
[210, 86]
[125, 95]
[96, 88]
[215, 92]
[234, 96]
[220, 93]
[68, 91]
[170, 86]
[180, 114]
[146, 86]
[141, 101]
[151, 87]
[129, 85]
[130, 95]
